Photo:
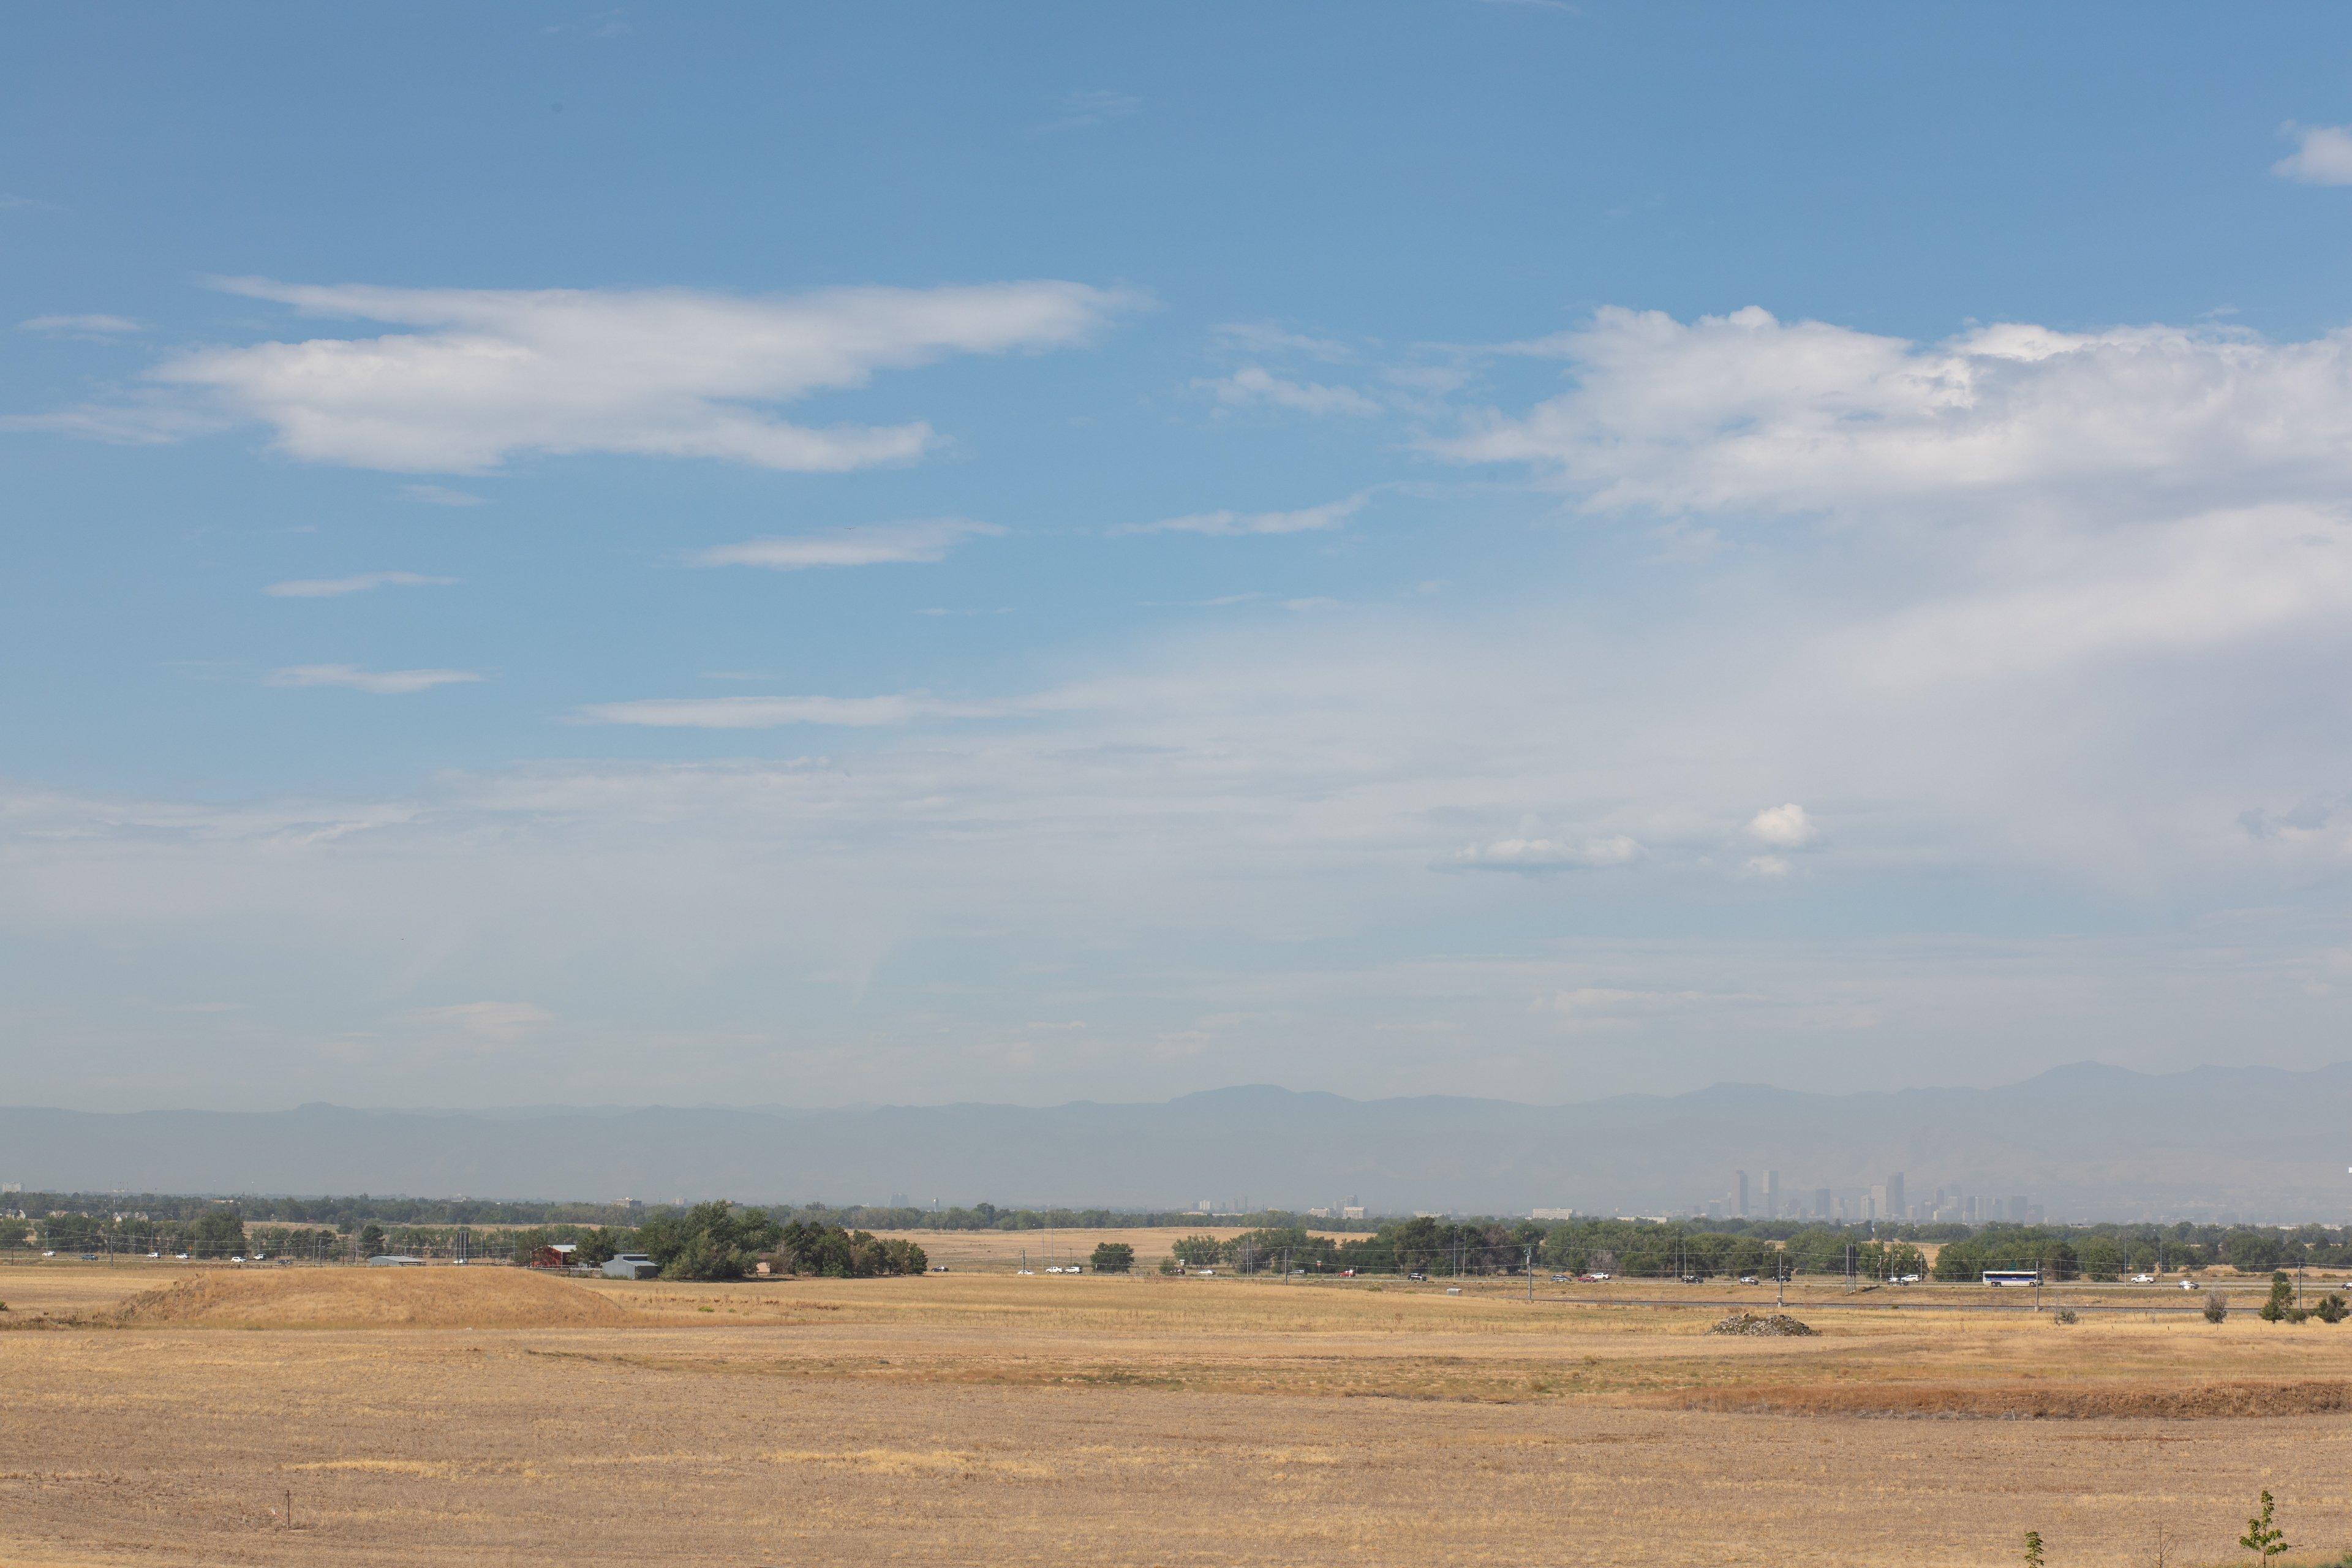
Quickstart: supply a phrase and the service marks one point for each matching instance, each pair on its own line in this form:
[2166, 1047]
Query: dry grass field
[485, 1415]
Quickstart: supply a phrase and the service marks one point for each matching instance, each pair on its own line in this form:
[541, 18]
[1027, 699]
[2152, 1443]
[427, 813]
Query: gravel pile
[1773, 1325]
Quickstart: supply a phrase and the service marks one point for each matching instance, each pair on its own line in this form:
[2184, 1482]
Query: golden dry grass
[956, 1420]
[374, 1298]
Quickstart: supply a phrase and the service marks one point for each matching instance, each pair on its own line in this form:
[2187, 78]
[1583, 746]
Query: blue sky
[807, 555]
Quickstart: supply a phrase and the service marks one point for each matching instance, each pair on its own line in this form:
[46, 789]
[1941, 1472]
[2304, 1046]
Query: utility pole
[1531, 1272]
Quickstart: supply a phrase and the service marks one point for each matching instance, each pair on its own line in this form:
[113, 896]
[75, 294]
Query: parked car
[1417, 1273]
[1747, 1280]
[2143, 1279]
[1598, 1276]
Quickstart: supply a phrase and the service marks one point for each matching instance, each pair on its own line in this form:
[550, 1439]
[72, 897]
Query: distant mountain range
[2084, 1141]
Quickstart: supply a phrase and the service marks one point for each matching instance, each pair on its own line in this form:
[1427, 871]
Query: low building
[562, 1255]
[395, 1260]
[632, 1265]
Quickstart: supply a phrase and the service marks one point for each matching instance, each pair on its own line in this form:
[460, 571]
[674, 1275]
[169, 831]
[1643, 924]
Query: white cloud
[1255, 386]
[335, 587]
[1785, 826]
[1304, 519]
[1541, 855]
[440, 495]
[775, 712]
[383, 682]
[2323, 155]
[2042, 496]
[1769, 865]
[868, 545]
[80, 326]
[485, 374]
[1748, 413]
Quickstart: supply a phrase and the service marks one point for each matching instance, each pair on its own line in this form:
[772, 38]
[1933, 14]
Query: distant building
[1551, 1213]
[632, 1265]
[1895, 1207]
[1771, 1195]
[1352, 1210]
[1822, 1203]
[1737, 1201]
[562, 1255]
[395, 1260]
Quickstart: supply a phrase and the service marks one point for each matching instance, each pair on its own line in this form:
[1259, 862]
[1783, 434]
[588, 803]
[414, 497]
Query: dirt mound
[2204, 1401]
[1774, 1326]
[374, 1299]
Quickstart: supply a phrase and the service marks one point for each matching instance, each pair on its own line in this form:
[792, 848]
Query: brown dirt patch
[2022, 1401]
[374, 1299]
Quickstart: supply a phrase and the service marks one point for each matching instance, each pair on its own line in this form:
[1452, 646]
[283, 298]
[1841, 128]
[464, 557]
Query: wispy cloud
[2321, 156]
[336, 587]
[1539, 855]
[1082, 110]
[80, 326]
[1264, 338]
[871, 544]
[440, 495]
[777, 712]
[1255, 386]
[1304, 519]
[383, 682]
[484, 1025]
[482, 375]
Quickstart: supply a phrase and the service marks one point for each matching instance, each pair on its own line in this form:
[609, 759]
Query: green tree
[2032, 1549]
[710, 1241]
[601, 1246]
[1196, 1251]
[219, 1232]
[2282, 1300]
[1112, 1257]
[2250, 1251]
[371, 1240]
[2264, 1537]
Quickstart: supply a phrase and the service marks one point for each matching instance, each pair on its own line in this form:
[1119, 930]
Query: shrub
[2032, 1549]
[2216, 1308]
[1113, 1258]
[2331, 1309]
[2066, 1315]
[2264, 1537]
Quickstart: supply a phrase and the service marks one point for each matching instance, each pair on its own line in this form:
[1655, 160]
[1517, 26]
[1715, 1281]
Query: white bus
[2012, 1277]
